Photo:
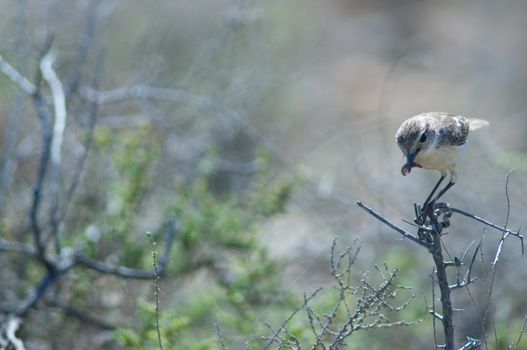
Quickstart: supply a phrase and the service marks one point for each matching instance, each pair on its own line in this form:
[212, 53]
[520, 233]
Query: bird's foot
[434, 216]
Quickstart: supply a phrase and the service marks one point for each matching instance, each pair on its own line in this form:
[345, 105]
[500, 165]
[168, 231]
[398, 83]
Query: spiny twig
[393, 226]
[156, 289]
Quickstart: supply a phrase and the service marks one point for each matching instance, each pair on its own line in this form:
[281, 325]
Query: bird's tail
[477, 123]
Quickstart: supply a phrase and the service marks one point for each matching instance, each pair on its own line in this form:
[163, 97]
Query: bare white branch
[59, 105]
[12, 327]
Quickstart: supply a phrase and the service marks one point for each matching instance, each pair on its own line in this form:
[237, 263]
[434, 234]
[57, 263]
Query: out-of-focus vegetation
[247, 129]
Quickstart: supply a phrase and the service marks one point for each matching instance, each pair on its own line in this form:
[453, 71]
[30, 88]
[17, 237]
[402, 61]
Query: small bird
[433, 140]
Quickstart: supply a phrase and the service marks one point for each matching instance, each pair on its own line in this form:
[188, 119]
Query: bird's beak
[409, 164]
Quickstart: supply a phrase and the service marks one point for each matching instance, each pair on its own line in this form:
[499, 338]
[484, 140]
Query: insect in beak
[409, 164]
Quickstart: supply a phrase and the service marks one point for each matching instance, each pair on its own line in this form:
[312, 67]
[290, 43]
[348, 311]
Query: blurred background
[254, 127]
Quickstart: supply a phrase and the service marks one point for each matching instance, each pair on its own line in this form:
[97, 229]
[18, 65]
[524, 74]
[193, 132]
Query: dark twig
[116, 270]
[494, 267]
[80, 314]
[92, 112]
[490, 224]
[444, 288]
[433, 311]
[393, 226]
[431, 239]
[84, 48]
[47, 137]
[17, 247]
[60, 268]
[172, 230]
[468, 278]
[466, 251]
[521, 334]
[37, 293]
[505, 234]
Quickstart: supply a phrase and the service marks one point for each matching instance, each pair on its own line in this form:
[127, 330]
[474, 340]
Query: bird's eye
[423, 138]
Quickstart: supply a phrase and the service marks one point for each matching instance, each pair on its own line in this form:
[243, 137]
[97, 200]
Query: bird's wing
[454, 128]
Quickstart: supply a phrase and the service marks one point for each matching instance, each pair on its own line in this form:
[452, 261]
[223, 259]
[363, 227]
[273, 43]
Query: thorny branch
[393, 226]
[365, 306]
[430, 225]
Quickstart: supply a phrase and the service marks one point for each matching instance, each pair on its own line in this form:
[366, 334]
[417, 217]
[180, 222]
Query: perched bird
[433, 141]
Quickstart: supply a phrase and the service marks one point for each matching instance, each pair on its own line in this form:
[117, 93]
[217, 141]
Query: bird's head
[415, 137]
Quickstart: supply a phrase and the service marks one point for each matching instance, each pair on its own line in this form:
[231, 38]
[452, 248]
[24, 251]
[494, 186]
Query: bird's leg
[427, 201]
[420, 219]
[430, 202]
[453, 178]
[443, 191]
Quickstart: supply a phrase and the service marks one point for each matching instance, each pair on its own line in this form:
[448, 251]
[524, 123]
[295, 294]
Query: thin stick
[494, 266]
[277, 332]
[17, 78]
[393, 226]
[490, 224]
[504, 235]
[434, 306]
[521, 333]
[220, 336]
[156, 288]
[59, 126]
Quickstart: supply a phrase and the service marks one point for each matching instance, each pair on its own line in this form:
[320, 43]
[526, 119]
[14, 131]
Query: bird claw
[432, 217]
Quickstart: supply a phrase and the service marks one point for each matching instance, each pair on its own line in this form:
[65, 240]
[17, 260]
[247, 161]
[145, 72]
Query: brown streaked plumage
[433, 140]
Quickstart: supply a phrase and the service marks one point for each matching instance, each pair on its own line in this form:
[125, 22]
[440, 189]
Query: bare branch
[59, 125]
[277, 332]
[156, 288]
[505, 234]
[220, 336]
[16, 247]
[22, 82]
[173, 229]
[12, 326]
[116, 270]
[520, 335]
[433, 311]
[468, 278]
[92, 111]
[38, 292]
[59, 105]
[490, 224]
[393, 226]
[80, 314]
